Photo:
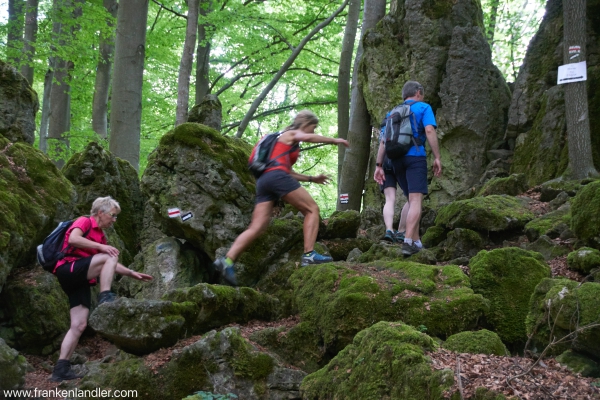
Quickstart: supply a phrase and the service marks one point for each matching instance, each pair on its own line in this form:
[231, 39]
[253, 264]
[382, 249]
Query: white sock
[408, 240]
[419, 244]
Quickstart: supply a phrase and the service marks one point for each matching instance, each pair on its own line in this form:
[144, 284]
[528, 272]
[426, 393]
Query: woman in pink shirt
[89, 257]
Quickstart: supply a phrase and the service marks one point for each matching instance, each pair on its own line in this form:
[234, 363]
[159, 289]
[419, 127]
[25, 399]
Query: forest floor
[517, 377]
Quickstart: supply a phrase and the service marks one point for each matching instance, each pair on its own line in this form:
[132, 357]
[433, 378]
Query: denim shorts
[273, 185]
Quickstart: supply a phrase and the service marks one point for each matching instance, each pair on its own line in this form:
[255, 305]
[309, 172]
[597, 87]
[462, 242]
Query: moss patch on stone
[584, 259]
[548, 224]
[477, 342]
[507, 277]
[585, 220]
[512, 185]
[579, 364]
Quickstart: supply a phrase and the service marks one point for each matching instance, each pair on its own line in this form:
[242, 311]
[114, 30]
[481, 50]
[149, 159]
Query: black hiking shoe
[106, 297]
[63, 372]
[227, 271]
[410, 249]
[389, 236]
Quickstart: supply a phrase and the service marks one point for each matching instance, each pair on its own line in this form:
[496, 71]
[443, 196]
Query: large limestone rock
[208, 113]
[221, 363]
[585, 220]
[536, 118]
[441, 45]
[172, 264]
[385, 361]
[95, 172]
[340, 301]
[507, 277]
[13, 367]
[197, 170]
[477, 342]
[34, 312]
[18, 105]
[559, 306]
[34, 197]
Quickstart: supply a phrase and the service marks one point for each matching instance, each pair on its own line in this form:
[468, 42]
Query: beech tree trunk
[103, 73]
[126, 103]
[344, 77]
[14, 37]
[46, 106]
[356, 159]
[285, 67]
[185, 66]
[202, 56]
[581, 164]
[29, 38]
[491, 29]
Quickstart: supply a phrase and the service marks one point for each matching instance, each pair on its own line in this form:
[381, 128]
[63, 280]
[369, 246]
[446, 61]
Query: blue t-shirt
[423, 116]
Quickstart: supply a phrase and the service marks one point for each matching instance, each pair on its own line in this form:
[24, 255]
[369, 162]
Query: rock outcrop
[18, 105]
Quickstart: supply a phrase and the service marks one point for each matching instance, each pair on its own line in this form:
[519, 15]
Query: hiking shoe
[62, 372]
[106, 297]
[228, 275]
[389, 237]
[314, 258]
[398, 237]
[410, 249]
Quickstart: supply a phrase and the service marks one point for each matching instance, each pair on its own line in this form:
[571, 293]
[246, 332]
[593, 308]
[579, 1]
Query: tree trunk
[576, 102]
[202, 56]
[344, 78]
[102, 83]
[14, 37]
[126, 104]
[46, 107]
[359, 133]
[185, 66]
[285, 67]
[491, 29]
[29, 39]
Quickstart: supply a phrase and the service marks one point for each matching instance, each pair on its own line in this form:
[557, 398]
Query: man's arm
[435, 149]
[379, 175]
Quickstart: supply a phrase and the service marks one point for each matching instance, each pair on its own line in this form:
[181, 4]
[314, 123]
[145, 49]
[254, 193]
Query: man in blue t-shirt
[411, 169]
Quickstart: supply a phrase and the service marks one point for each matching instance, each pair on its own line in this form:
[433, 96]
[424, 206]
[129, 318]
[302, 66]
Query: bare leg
[403, 216]
[413, 216]
[104, 266]
[79, 316]
[261, 216]
[388, 208]
[301, 199]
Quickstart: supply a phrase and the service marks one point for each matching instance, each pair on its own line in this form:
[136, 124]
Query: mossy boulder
[460, 243]
[579, 364]
[551, 189]
[551, 224]
[216, 305]
[208, 112]
[342, 225]
[340, 248]
[476, 342]
[34, 312]
[381, 251]
[299, 345]
[95, 172]
[198, 170]
[512, 185]
[584, 259]
[141, 326]
[339, 301]
[562, 306]
[485, 214]
[548, 248]
[13, 367]
[507, 277]
[434, 236]
[585, 220]
[172, 264]
[385, 361]
[18, 105]
[34, 197]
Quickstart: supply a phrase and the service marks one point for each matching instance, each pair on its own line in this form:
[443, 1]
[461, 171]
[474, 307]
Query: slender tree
[103, 74]
[492, 17]
[284, 68]
[14, 37]
[126, 103]
[203, 54]
[185, 66]
[344, 77]
[359, 133]
[29, 39]
[581, 164]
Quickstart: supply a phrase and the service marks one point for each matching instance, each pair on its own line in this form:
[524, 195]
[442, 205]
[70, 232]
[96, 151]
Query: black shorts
[390, 180]
[73, 280]
[411, 174]
[273, 185]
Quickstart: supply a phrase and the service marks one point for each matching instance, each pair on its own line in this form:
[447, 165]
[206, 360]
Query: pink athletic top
[95, 234]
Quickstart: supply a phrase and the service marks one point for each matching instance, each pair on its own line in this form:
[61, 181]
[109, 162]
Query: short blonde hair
[303, 118]
[104, 204]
